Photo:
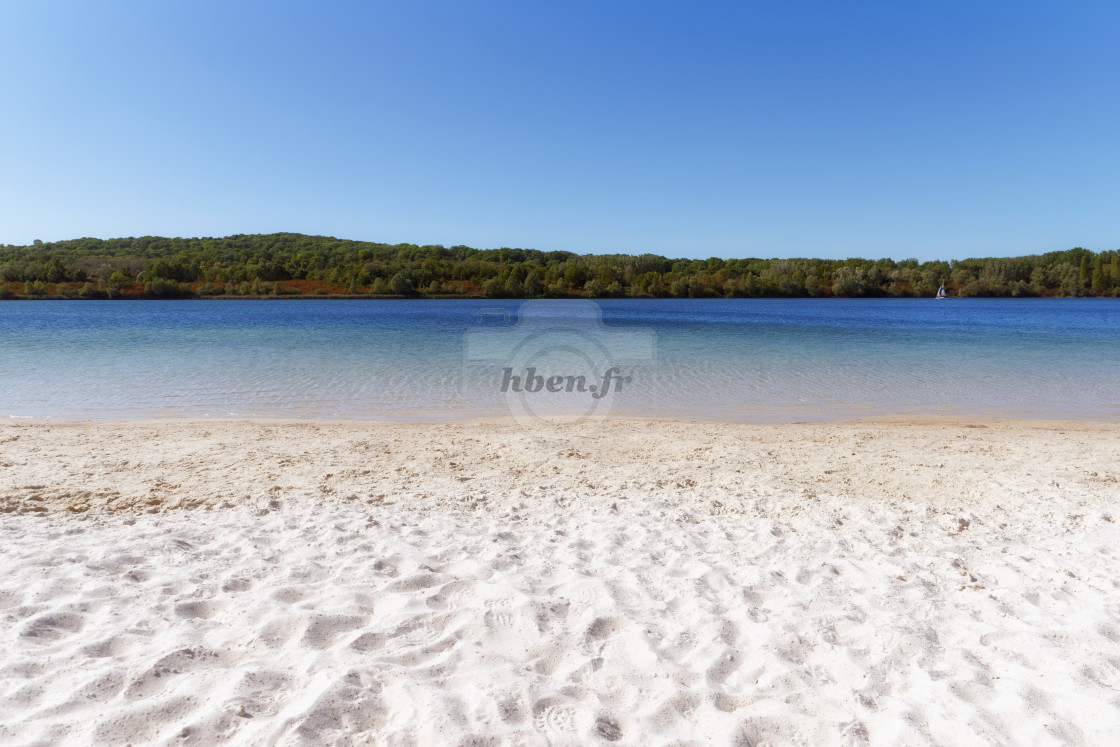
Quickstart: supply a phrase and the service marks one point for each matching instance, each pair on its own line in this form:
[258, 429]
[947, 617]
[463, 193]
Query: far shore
[461, 297]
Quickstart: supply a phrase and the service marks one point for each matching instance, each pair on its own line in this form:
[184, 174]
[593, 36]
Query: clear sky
[929, 129]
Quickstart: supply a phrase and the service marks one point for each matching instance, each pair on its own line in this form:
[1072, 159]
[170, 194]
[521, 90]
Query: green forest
[293, 265]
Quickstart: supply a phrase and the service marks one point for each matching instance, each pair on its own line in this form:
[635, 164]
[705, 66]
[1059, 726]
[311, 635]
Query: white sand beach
[197, 582]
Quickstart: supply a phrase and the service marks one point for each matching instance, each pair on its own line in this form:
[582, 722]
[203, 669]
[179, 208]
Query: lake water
[749, 360]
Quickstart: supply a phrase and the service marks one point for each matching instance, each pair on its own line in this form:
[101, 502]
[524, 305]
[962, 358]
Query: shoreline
[886, 419]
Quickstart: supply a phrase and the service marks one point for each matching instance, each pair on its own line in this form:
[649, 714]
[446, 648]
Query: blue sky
[776, 129]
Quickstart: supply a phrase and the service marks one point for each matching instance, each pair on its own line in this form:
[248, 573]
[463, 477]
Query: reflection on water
[751, 360]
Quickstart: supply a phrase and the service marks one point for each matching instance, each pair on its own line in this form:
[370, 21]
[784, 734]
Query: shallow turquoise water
[750, 360]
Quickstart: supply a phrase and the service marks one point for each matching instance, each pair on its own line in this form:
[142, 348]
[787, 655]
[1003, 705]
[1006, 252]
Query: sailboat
[941, 292]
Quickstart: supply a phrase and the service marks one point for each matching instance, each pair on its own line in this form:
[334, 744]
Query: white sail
[941, 292]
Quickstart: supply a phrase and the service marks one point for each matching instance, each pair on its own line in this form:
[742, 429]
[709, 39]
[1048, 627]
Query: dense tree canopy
[295, 264]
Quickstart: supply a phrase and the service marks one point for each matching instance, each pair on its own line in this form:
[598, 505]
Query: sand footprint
[162, 675]
[415, 583]
[726, 665]
[278, 631]
[607, 728]
[1105, 675]
[260, 692]
[419, 637]
[237, 584]
[605, 627]
[973, 693]
[386, 568]
[584, 599]
[111, 646]
[102, 688]
[10, 599]
[499, 601]
[54, 626]
[452, 594]
[499, 620]
[559, 720]
[418, 633]
[289, 594]
[325, 629]
[853, 734]
[199, 610]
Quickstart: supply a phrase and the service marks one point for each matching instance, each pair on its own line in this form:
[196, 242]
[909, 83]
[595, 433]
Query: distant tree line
[295, 264]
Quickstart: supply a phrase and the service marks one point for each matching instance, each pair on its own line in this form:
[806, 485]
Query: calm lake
[749, 360]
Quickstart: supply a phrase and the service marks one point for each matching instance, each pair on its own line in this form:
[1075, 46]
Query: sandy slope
[654, 583]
